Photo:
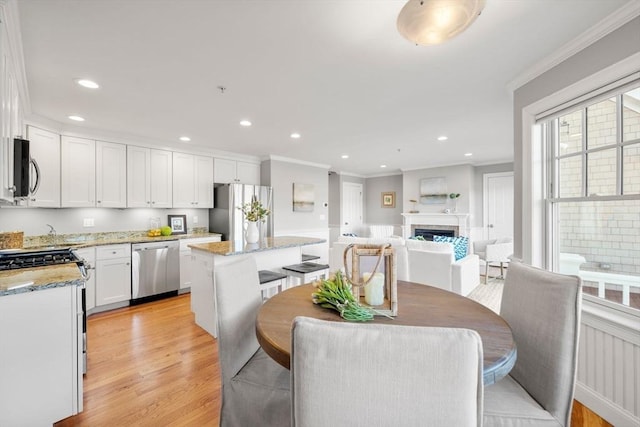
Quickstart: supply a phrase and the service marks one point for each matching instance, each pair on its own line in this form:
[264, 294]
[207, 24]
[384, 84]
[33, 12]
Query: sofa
[429, 263]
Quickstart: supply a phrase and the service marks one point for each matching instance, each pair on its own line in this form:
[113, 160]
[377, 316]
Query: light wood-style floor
[151, 365]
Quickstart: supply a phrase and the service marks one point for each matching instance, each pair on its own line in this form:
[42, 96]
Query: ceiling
[335, 71]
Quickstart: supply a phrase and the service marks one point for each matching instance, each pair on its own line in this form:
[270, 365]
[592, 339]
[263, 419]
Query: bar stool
[271, 282]
[306, 272]
[309, 257]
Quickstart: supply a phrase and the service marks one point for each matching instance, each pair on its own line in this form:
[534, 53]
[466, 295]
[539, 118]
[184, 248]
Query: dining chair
[543, 310]
[384, 375]
[255, 389]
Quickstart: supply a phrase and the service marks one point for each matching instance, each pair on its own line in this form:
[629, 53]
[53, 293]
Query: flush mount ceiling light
[87, 83]
[429, 22]
[77, 118]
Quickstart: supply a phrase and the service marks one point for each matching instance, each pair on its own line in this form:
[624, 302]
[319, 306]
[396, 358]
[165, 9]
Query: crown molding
[9, 14]
[609, 24]
[300, 162]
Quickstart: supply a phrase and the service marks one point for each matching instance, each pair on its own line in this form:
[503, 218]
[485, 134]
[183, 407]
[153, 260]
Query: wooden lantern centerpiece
[373, 276]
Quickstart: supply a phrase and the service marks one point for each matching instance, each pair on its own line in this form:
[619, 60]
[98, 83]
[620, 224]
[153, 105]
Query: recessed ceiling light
[185, 139]
[295, 135]
[245, 123]
[443, 138]
[383, 166]
[468, 154]
[88, 83]
[345, 156]
[77, 118]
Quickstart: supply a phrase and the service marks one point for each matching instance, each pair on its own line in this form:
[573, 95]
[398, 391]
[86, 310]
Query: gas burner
[28, 259]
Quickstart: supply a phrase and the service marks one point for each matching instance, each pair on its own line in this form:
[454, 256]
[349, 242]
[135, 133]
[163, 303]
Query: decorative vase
[252, 235]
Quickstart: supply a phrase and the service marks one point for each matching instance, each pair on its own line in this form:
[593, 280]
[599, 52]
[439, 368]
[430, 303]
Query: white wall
[70, 221]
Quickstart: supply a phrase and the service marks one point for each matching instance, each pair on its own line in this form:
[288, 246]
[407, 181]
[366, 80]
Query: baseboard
[604, 408]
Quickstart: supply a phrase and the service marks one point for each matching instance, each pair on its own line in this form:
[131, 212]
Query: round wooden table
[418, 305]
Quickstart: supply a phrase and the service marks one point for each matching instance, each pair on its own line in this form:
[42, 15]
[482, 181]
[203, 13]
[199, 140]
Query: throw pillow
[460, 244]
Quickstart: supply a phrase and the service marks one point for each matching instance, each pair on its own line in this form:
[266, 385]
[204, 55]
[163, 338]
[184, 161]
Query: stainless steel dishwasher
[155, 268]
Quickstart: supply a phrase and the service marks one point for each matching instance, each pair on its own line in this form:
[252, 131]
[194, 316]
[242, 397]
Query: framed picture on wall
[389, 199]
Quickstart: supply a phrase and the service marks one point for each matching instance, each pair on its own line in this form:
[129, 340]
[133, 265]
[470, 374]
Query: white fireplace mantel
[460, 220]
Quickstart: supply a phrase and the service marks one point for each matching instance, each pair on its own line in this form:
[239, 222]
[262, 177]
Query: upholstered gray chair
[346, 374]
[255, 389]
[543, 310]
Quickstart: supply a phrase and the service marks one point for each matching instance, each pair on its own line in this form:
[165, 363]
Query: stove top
[38, 258]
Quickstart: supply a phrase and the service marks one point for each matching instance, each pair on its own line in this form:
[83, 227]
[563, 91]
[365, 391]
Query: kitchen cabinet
[78, 174]
[111, 175]
[186, 260]
[11, 114]
[113, 274]
[227, 171]
[89, 255]
[192, 181]
[149, 178]
[44, 147]
[40, 361]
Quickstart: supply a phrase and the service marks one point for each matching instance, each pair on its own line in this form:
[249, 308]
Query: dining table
[418, 305]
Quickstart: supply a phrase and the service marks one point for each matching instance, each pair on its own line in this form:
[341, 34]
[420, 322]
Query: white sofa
[430, 263]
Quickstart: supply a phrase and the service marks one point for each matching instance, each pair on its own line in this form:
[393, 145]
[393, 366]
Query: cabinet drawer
[113, 251]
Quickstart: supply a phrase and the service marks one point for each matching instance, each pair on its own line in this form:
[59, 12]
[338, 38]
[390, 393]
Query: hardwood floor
[151, 365]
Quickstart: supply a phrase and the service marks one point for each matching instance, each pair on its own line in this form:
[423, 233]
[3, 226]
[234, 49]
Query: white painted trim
[300, 162]
[612, 413]
[351, 174]
[612, 22]
[14, 39]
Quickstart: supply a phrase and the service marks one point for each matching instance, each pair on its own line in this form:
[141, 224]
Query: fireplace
[428, 233]
[440, 222]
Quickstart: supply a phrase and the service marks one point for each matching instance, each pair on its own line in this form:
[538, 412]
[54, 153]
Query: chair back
[543, 310]
[237, 299]
[384, 375]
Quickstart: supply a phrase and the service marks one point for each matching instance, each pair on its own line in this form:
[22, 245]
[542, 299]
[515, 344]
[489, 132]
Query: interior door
[498, 205]
[351, 208]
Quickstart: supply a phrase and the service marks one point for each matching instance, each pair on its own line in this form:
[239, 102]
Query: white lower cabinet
[113, 274]
[186, 260]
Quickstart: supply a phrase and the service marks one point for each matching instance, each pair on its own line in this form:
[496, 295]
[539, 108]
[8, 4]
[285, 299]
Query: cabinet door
[224, 171]
[113, 280]
[248, 173]
[138, 177]
[44, 148]
[161, 179]
[78, 186]
[183, 180]
[111, 175]
[204, 182]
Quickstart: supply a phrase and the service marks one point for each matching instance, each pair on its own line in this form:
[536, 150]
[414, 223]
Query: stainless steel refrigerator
[227, 219]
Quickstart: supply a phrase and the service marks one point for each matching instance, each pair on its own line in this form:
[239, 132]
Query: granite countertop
[227, 248]
[111, 239]
[39, 278]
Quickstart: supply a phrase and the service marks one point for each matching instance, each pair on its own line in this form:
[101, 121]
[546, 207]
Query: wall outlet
[88, 222]
[195, 219]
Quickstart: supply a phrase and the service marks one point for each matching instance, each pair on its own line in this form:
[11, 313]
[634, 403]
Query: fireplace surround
[458, 223]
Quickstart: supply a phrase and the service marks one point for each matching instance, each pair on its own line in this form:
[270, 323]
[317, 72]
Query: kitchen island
[271, 253]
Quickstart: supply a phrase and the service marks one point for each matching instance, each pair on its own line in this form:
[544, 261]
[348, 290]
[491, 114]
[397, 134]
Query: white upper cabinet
[192, 181]
[111, 175]
[44, 148]
[161, 178]
[78, 188]
[231, 171]
[149, 179]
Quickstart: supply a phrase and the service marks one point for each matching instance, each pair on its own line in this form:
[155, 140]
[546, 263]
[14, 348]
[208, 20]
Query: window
[593, 193]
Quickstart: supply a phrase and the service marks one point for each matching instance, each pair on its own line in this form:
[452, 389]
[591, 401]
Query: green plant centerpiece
[335, 293]
[254, 211]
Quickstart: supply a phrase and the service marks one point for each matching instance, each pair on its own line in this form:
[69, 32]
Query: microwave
[21, 169]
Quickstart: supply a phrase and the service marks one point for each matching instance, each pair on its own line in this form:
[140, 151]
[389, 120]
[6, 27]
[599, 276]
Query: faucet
[53, 234]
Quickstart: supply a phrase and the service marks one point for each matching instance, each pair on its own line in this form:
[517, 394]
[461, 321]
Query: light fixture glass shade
[428, 22]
